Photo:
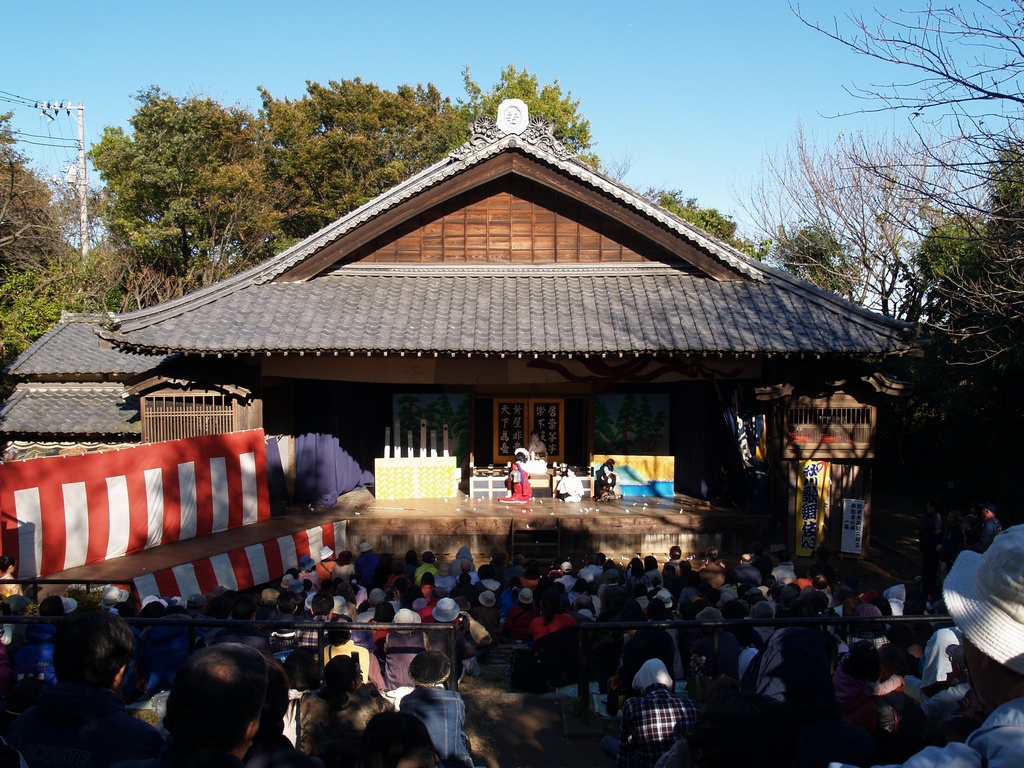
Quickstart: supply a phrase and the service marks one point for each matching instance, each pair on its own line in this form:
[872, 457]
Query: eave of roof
[70, 409]
[547, 311]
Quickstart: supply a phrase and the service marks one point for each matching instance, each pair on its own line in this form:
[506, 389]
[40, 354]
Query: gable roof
[308, 299]
[73, 348]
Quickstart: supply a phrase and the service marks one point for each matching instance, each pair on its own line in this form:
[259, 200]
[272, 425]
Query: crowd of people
[858, 692]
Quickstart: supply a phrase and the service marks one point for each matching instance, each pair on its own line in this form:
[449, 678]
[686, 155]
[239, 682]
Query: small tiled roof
[70, 409]
[549, 310]
[73, 348]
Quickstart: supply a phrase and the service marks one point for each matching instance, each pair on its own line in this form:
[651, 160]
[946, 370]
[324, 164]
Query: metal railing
[87, 585]
[195, 626]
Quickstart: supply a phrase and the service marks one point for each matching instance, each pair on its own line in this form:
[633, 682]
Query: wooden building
[513, 277]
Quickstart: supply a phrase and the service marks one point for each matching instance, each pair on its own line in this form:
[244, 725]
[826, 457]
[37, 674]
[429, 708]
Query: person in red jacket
[520, 617]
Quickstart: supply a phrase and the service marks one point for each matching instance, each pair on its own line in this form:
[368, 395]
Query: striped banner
[241, 568]
[65, 511]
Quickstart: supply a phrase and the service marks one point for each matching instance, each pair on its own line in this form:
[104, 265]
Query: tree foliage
[960, 83]
[836, 221]
[187, 189]
[711, 220]
[29, 231]
[572, 128]
[346, 142]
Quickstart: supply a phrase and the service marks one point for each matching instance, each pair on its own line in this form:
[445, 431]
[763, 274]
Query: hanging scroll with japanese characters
[509, 427]
[546, 427]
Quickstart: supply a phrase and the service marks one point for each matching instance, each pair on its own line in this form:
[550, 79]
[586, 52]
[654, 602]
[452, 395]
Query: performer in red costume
[518, 481]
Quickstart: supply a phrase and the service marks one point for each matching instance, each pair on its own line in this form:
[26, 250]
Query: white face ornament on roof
[513, 116]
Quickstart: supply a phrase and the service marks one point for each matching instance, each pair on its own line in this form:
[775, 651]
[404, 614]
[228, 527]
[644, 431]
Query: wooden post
[387, 442]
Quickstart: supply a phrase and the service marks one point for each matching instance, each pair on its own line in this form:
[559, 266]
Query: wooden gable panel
[509, 222]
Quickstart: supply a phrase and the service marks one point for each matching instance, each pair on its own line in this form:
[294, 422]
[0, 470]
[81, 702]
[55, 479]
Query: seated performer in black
[606, 482]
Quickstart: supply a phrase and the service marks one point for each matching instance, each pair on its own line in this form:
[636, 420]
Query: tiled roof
[73, 348]
[546, 310]
[526, 309]
[70, 409]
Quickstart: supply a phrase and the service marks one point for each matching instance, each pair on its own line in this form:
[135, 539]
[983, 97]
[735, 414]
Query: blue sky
[695, 93]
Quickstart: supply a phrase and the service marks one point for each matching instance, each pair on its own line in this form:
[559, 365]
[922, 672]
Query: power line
[46, 144]
[74, 142]
[16, 99]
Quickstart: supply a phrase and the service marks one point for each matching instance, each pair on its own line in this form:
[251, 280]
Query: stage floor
[545, 528]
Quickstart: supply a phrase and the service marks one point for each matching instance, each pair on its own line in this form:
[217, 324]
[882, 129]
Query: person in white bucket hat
[984, 593]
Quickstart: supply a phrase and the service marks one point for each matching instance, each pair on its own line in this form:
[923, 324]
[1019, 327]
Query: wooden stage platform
[550, 530]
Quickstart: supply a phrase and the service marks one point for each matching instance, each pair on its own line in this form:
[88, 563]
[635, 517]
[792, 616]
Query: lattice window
[830, 425]
[171, 416]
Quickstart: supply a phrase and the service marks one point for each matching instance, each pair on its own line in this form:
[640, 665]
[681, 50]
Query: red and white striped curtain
[242, 568]
[65, 511]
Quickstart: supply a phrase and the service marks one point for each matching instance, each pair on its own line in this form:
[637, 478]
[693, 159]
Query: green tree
[812, 253]
[343, 143]
[711, 220]
[29, 230]
[572, 128]
[187, 188]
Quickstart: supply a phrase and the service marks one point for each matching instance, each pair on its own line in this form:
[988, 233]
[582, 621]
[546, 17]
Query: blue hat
[306, 563]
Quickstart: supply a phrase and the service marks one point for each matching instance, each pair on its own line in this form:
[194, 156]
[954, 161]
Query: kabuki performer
[518, 481]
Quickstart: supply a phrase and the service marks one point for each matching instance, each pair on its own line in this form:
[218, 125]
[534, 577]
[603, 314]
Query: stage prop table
[433, 477]
[490, 483]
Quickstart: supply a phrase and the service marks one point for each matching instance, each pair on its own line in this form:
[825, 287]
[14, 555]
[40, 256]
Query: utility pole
[82, 177]
[83, 182]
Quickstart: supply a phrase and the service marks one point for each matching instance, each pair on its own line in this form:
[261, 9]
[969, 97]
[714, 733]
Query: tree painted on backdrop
[437, 410]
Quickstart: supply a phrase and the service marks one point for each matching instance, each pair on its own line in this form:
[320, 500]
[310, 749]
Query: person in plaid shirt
[651, 722]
